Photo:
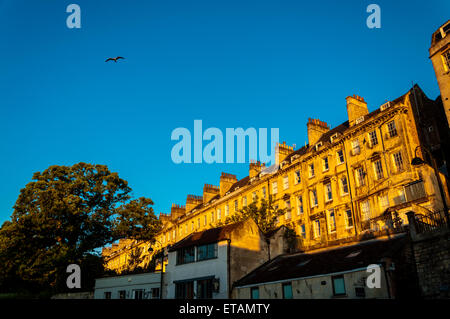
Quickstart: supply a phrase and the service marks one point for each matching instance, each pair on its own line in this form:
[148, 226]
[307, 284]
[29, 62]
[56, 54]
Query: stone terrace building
[355, 180]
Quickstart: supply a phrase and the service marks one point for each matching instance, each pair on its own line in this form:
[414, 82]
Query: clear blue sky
[229, 63]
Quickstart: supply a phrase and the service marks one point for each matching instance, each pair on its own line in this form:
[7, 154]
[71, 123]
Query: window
[392, 130]
[340, 157]
[383, 202]
[287, 215]
[122, 294]
[219, 216]
[373, 140]
[446, 60]
[107, 294]
[360, 181]
[355, 147]
[186, 229]
[303, 231]
[285, 182]
[313, 198]
[254, 293]
[192, 226]
[204, 289]
[264, 192]
[328, 193]
[348, 218]
[227, 210]
[236, 207]
[208, 251]
[274, 187]
[398, 161]
[415, 190]
[205, 220]
[155, 293]
[287, 290]
[297, 177]
[338, 285]
[138, 294]
[299, 205]
[344, 185]
[311, 170]
[378, 169]
[244, 201]
[184, 290]
[212, 217]
[254, 196]
[185, 255]
[198, 223]
[331, 221]
[365, 210]
[316, 228]
[325, 166]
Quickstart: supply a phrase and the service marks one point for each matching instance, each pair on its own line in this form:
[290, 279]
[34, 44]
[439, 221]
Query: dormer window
[318, 146]
[333, 137]
[359, 120]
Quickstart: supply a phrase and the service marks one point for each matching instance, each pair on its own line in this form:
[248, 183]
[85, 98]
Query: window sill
[345, 194]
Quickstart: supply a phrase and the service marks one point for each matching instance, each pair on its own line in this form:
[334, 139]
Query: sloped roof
[298, 265]
[208, 236]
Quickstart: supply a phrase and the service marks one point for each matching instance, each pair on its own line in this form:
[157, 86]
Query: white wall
[128, 283]
[313, 288]
[216, 267]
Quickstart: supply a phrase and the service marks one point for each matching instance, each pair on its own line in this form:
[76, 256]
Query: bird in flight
[114, 59]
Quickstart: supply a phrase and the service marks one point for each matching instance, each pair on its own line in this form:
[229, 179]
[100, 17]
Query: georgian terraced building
[348, 182]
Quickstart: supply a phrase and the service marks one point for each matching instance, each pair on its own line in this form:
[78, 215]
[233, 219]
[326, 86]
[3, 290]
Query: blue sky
[261, 64]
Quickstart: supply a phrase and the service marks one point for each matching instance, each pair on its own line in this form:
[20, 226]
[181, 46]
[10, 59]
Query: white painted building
[137, 286]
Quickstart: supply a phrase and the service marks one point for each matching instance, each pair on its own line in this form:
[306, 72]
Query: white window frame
[328, 192]
[378, 169]
[274, 187]
[331, 221]
[343, 193]
[285, 182]
[297, 177]
[325, 164]
[300, 208]
[338, 157]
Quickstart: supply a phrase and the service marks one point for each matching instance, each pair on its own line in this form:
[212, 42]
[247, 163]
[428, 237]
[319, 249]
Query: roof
[299, 265]
[208, 236]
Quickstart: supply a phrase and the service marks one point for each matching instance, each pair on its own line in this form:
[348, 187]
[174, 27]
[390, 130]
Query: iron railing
[430, 222]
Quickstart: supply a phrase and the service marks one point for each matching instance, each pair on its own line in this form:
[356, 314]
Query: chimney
[164, 218]
[177, 211]
[193, 201]
[281, 151]
[356, 107]
[316, 128]
[209, 191]
[255, 168]
[226, 181]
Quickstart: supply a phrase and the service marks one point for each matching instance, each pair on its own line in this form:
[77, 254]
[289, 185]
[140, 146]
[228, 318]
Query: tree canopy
[63, 215]
[264, 214]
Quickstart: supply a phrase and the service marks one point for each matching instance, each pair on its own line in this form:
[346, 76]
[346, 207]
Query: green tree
[62, 216]
[264, 214]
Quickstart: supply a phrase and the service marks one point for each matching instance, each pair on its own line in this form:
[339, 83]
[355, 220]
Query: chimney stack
[177, 211]
[356, 108]
[209, 191]
[316, 128]
[226, 181]
[255, 168]
[193, 201]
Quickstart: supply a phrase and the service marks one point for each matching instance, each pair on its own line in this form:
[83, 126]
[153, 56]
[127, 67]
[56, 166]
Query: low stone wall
[432, 257]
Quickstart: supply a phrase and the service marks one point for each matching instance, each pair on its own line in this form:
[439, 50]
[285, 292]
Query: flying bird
[114, 59]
